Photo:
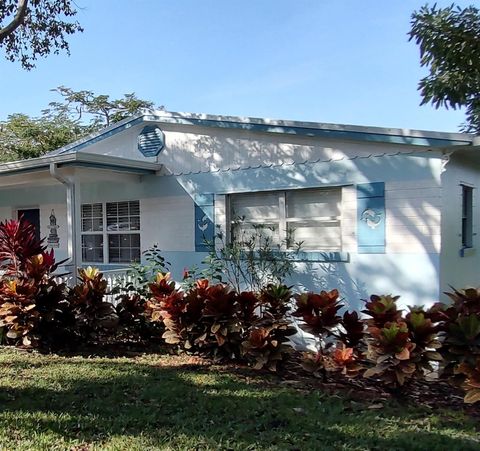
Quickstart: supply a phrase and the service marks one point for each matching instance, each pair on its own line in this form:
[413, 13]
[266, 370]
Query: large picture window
[309, 216]
[111, 232]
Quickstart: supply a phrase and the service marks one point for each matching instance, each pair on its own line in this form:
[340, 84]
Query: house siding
[220, 162]
[459, 271]
[413, 215]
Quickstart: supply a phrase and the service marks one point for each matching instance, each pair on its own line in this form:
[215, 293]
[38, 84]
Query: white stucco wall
[247, 162]
[455, 270]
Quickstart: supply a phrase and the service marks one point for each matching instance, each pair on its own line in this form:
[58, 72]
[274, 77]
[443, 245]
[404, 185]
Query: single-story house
[379, 210]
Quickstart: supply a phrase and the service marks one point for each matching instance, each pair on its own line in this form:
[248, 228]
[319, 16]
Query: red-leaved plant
[33, 308]
[400, 348]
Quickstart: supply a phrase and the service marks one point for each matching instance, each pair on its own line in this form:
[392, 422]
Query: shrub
[251, 261]
[459, 325]
[319, 316]
[33, 308]
[400, 348]
[132, 297]
[93, 316]
[201, 320]
[216, 321]
[471, 383]
[266, 343]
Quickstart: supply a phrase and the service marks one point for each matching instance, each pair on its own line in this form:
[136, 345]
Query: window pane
[92, 248]
[113, 240]
[123, 209]
[114, 255]
[135, 254]
[248, 234]
[467, 216]
[97, 224]
[135, 240]
[92, 218]
[87, 211]
[123, 216]
[135, 223]
[311, 203]
[112, 209]
[124, 247]
[87, 225]
[134, 208]
[255, 206]
[324, 236]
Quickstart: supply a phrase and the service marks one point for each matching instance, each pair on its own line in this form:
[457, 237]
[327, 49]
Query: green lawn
[50, 402]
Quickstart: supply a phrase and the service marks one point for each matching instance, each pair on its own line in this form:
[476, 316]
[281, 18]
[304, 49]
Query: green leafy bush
[249, 262]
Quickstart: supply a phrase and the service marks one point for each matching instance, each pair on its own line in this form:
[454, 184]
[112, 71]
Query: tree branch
[16, 21]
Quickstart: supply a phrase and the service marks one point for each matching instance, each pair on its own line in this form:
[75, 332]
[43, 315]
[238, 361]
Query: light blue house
[378, 210]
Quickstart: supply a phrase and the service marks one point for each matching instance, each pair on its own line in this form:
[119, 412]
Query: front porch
[75, 203]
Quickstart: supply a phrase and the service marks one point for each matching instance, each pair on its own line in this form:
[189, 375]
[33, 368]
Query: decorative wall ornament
[372, 217]
[204, 225]
[53, 240]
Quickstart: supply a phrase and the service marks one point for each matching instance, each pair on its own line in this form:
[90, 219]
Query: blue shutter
[371, 218]
[204, 225]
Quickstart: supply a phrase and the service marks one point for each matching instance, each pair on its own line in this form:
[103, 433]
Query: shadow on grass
[91, 401]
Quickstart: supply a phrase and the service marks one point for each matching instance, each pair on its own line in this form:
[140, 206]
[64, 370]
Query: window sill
[467, 251]
[316, 256]
[319, 256]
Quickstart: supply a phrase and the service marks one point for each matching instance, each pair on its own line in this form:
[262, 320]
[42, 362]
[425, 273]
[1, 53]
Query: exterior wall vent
[151, 141]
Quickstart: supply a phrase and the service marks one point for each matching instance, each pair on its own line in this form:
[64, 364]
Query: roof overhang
[421, 138]
[80, 159]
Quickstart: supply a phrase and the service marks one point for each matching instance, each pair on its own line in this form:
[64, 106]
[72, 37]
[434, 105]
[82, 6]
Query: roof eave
[80, 160]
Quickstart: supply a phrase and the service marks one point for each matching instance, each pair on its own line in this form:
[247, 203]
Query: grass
[146, 403]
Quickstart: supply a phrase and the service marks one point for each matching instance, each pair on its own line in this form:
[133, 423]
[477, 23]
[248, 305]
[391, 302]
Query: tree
[24, 137]
[35, 28]
[449, 41]
[77, 115]
[99, 110]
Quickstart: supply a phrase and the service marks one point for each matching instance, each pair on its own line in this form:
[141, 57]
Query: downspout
[71, 219]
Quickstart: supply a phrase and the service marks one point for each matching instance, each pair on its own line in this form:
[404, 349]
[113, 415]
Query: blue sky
[340, 61]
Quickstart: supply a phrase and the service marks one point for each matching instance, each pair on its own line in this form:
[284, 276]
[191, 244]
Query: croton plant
[32, 302]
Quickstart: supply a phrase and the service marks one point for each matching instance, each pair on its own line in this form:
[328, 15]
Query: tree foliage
[449, 42]
[98, 110]
[22, 136]
[75, 116]
[35, 28]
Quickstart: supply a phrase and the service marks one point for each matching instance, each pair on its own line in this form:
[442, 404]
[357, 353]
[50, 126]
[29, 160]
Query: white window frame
[105, 233]
[283, 219]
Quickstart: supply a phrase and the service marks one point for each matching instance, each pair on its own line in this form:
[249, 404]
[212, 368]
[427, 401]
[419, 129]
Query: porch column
[77, 228]
[74, 245]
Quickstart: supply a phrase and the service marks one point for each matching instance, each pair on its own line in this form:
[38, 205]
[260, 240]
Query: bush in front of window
[219, 322]
[93, 316]
[250, 260]
[132, 294]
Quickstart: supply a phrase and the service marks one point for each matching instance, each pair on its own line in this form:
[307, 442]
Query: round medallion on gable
[151, 141]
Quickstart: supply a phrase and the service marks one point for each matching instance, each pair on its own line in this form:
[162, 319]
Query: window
[467, 216]
[310, 216]
[111, 232]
